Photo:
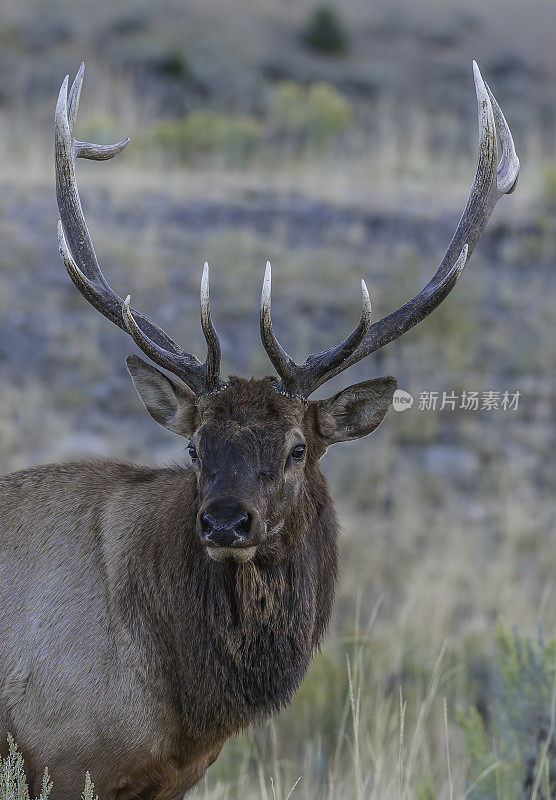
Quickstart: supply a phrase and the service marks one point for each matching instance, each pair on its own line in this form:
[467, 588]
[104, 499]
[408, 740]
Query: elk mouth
[239, 554]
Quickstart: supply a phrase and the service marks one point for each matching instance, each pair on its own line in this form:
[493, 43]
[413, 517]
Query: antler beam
[490, 184]
[79, 258]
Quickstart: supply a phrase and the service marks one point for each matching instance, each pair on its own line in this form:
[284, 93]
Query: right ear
[169, 401]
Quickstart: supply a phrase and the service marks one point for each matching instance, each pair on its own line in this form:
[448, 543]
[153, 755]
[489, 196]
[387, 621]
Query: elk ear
[355, 411]
[169, 401]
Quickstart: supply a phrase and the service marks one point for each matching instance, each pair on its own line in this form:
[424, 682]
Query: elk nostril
[207, 522]
[242, 524]
[225, 524]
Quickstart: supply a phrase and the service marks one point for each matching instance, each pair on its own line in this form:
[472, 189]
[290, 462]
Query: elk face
[249, 453]
[254, 450]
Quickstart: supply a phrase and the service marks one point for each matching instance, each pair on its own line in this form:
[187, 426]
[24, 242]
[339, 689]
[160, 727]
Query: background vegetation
[338, 141]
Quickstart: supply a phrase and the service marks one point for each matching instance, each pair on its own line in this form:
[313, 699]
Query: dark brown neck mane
[230, 642]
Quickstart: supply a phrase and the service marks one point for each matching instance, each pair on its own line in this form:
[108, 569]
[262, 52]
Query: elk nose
[225, 523]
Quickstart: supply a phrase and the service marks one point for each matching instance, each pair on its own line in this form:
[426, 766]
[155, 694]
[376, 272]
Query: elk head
[253, 442]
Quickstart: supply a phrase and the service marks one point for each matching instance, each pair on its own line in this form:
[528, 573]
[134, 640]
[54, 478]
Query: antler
[298, 379]
[489, 185]
[78, 255]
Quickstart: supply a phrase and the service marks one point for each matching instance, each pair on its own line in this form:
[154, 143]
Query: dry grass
[448, 518]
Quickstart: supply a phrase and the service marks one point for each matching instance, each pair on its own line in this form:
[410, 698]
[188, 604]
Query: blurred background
[338, 141]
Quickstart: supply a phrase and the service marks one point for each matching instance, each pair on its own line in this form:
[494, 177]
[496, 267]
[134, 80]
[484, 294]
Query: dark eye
[193, 452]
[298, 452]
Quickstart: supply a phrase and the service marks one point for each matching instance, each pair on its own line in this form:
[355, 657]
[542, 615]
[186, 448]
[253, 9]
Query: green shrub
[205, 133]
[13, 782]
[324, 31]
[89, 790]
[515, 749]
[311, 116]
[315, 115]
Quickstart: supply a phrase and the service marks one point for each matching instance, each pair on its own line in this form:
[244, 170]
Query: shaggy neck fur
[229, 642]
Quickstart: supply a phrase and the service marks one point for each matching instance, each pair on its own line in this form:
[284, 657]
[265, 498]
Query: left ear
[355, 411]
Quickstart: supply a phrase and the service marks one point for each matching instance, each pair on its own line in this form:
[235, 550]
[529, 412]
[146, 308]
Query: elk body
[149, 614]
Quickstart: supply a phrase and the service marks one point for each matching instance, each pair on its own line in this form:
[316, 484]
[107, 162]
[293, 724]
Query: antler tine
[212, 363]
[164, 358]
[508, 168]
[489, 185]
[284, 365]
[302, 379]
[79, 258]
[74, 95]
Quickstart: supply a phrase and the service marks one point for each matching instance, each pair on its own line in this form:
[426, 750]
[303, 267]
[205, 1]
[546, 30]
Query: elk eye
[193, 452]
[298, 452]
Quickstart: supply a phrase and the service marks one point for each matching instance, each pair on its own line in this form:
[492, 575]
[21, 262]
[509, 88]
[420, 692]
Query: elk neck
[228, 642]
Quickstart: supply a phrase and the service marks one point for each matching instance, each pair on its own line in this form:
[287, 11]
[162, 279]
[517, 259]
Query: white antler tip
[127, 301]
[365, 299]
[480, 86]
[205, 289]
[79, 76]
[265, 295]
[62, 95]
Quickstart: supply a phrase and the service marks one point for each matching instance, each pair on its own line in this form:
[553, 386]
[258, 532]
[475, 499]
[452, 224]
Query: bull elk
[149, 614]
